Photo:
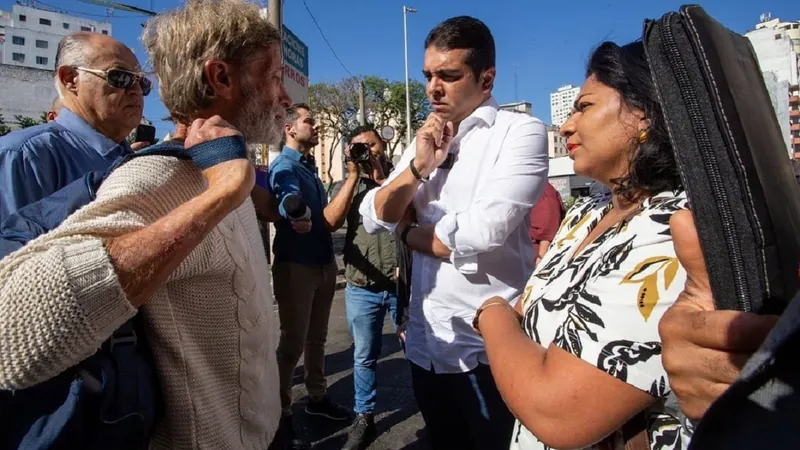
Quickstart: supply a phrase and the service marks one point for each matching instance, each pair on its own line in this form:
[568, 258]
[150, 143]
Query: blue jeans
[365, 313]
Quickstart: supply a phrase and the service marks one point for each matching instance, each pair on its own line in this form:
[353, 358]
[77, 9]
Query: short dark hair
[464, 32]
[368, 128]
[652, 165]
[291, 112]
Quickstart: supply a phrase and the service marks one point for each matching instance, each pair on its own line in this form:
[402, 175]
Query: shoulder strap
[168, 148]
[205, 155]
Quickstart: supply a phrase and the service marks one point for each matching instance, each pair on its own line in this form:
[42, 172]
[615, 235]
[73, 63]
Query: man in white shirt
[472, 176]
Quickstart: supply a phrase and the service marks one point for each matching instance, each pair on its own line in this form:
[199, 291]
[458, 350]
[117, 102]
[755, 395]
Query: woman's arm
[564, 401]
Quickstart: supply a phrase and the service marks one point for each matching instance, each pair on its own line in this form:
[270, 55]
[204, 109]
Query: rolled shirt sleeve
[515, 183]
[283, 182]
[367, 209]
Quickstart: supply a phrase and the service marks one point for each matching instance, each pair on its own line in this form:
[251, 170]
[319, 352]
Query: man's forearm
[144, 259]
[336, 211]
[392, 199]
[424, 240]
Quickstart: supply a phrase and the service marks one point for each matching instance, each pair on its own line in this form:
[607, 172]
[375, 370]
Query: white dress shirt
[480, 208]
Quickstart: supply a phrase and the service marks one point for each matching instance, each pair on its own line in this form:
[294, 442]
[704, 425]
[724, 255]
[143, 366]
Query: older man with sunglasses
[101, 87]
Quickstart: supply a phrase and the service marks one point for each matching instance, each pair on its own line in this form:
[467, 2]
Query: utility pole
[275, 17]
[362, 112]
[406, 10]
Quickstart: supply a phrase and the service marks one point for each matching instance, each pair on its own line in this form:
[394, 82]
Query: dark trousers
[463, 410]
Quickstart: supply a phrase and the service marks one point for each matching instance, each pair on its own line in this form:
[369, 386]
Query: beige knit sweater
[211, 327]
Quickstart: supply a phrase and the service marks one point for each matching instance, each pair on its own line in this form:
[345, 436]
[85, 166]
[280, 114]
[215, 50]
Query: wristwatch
[416, 173]
[404, 233]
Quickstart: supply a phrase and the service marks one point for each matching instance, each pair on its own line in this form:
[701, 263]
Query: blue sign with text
[295, 52]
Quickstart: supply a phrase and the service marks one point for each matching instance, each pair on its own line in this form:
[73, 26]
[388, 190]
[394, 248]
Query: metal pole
[362, 113]
[408, 93]
[275, 17]
[274, 11]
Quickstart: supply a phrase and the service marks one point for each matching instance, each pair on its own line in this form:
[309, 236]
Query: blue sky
[547, 43]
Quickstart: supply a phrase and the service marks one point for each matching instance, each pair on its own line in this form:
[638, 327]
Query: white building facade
[776, 45]
[556, 143]
[29, 40]
[561, 103]
[30, 35]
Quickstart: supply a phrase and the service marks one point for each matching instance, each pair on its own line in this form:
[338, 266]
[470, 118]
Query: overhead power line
[326, 39]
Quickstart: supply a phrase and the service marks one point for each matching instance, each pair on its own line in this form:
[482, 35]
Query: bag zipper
[709, 162]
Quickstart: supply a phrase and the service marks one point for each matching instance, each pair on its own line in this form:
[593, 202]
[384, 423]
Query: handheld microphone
[296, 208]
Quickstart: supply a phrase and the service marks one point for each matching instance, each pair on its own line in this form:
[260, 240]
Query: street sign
[295, 67]
[387, 133]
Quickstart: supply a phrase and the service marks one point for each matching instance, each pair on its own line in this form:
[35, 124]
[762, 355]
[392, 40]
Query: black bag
[732, 159]
[746, 203]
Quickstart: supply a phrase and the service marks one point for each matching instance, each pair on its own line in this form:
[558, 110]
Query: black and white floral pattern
[604, 303]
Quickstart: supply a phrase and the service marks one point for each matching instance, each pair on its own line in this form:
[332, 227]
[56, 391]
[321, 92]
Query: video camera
[359, 153]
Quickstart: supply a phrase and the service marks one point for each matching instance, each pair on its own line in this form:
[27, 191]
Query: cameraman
[370, 264]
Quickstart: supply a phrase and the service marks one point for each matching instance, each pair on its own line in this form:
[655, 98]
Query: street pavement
[398, 421]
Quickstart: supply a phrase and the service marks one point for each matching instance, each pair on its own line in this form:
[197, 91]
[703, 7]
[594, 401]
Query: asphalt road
[399, 424]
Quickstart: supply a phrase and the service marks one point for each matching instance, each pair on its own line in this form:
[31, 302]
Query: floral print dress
[603, 304]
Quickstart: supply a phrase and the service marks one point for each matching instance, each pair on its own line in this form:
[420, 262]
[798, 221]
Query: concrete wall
[775, 53]
[25, 91]
[778, 94]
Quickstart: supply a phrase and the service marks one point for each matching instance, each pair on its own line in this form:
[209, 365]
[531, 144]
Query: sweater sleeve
[59, 295]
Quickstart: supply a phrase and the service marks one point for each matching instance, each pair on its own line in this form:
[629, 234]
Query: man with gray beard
[175, 240]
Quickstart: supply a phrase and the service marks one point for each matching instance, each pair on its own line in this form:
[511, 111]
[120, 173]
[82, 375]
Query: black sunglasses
[121, 79]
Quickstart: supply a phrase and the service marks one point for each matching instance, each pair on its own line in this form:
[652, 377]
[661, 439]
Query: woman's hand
[703, 349]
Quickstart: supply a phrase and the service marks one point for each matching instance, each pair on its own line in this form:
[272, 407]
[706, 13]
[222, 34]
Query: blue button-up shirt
[37, 161]
[293, 173]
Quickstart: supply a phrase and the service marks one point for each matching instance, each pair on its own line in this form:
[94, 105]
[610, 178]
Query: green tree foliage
[335, 107]
[25, 122]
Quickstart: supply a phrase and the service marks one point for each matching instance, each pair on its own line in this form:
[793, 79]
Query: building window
[105, 32]
[18, 57]
[777, 37]
[22, 18]
[66, 26]
[17, 40]
[41, 60]
[41, 44]
[86, 29]
[45, 22]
